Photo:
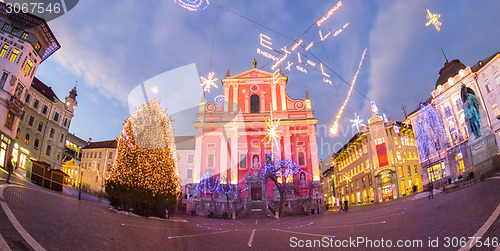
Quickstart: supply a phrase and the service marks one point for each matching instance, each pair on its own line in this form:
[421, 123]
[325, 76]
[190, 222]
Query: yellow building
[71, 168]
[379, 163]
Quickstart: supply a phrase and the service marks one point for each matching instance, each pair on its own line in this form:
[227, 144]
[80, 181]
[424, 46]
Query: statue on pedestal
[471, 107]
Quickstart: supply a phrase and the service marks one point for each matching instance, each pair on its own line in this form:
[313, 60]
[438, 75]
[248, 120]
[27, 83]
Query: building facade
[97, 158]
[378, 164]
[25, 42]
[185, 155]
[231, 143]
[73, 147]
[455, 153]
[43, 127]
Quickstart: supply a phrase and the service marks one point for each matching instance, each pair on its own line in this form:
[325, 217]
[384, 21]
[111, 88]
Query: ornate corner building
[25, 42]
[231, 145]
[379, 163]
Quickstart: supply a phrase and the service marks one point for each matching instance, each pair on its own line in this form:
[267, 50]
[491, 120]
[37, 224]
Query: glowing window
[27, 67]
[3, 52]
[14, 55]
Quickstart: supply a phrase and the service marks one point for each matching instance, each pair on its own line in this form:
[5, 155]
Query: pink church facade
[230, 144]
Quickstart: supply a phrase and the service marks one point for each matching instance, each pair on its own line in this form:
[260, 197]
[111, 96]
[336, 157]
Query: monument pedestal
[482, 152]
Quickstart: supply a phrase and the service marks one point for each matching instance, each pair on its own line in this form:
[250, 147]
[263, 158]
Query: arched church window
[255, 104]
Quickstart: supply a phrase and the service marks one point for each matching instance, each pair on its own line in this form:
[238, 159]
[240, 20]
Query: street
[53, 221]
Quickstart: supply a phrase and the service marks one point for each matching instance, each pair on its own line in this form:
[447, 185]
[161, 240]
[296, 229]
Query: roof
[449, 70]
[102, 144]
[482, 63]
[185, 142]
[44, 89]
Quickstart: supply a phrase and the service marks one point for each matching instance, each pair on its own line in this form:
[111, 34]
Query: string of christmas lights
[429, 131]
[335, 127]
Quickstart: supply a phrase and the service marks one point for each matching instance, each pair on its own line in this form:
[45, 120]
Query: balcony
[15, 105]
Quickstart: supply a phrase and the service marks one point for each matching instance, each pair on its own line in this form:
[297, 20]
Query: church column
[287, 146]
[273, 96]
[283, 98]
[226, 94]
[197, 159]
[314, 155]
[235, 97]
[234, 159]
[223, 155]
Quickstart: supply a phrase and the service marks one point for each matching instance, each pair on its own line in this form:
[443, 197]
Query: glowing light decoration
[288, 65]
[374, 107]
[281, 59]
[235, 129]
[193, 5]
[273, 134]
[295, 46]
[396, 128]
[266, 54]
[321, 35]
[356, 122]
[340, 30]
[265, 41]
[309, 46]
[155, 89]
[335, 127]
[311, 63]
[208, 82]
[329, 14]
[429, 132]
[407, 123]
[327, 81]
[301, 69]
[384, 116]
[323, 71]
[220, 100]
[433, 19]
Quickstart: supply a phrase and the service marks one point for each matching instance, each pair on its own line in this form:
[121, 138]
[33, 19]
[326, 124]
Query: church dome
[449, 70]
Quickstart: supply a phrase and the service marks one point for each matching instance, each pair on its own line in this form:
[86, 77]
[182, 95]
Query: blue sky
[111, 47]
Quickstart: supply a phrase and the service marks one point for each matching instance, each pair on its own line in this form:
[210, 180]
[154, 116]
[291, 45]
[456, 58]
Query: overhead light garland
[335, 127]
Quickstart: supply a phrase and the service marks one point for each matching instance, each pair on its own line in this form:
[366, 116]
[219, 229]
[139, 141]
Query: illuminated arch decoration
[193, 5]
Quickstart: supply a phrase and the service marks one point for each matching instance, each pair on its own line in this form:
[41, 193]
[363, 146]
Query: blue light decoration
[374, 107]
[384, 116]
[282, 168]
[429, 131]
[193, 5]
[396, 128]
[214, 184]
[220, 100]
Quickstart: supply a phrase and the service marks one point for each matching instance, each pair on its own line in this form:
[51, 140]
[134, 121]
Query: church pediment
[251, 73]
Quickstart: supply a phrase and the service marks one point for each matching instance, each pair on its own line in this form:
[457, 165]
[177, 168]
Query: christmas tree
[144, 174]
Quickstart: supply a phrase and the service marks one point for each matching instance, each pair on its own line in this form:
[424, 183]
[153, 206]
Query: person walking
[346, 205]
[431, 190]
[10, 169]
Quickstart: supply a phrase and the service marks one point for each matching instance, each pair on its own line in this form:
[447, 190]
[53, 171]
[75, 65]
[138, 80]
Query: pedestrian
[414, 188]
[341, 208]
[10, 169]
[431, 190]
[346, 205]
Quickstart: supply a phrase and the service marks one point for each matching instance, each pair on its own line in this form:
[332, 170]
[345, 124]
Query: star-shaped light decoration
[155, 89]
[407, 123]
[357, 122]
[273, 134]
[208, 82]
[433, 19]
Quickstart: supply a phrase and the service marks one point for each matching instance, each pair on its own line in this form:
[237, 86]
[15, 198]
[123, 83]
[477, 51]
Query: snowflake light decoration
[273, 134]
[155, 89]
[433, 19]
[208, 82]
[356, 122]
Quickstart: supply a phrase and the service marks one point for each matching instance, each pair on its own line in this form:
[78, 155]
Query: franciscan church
[232, 148]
